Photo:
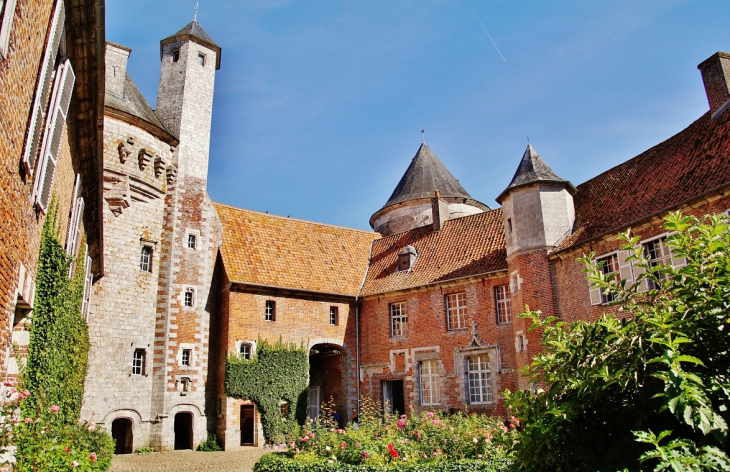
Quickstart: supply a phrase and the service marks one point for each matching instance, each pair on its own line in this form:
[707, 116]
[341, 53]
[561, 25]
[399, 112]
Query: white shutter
[624, 267]
[35, 125]
[643, 285]
[88, 279]
[677, 262]
[593, 291]
[72, 215]
[8, 13]
[60, 101]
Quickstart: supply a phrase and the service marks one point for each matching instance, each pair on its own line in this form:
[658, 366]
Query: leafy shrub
[649, 387]
[278, 462]
[210, 445]
[409, 442]
[144, 450]
[275, 373]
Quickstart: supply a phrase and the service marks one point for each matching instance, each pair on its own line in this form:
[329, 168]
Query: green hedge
[279, 462]
[275, 373]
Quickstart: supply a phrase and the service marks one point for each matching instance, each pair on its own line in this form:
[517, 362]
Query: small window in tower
[138, 362]
[145, 261]
[201, 59]
[191, 241]
[175, 55]
[189, 297]
[509, 224]
[270, 314]
[186, 355]
[245, 350]
[333, 316]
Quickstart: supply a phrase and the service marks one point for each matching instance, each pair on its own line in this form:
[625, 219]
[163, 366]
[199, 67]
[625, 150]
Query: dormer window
[406, 258]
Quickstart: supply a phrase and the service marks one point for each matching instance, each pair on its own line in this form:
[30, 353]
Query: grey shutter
[60, 101]
[593, 291]
[35, 125]
[467, 400]
[8, 14]
[420, 383]
[643, 285]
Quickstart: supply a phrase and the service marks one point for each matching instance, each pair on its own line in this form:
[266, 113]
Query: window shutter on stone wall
[594, 292]
[624, 267]
[74, 221]
[88, 279]
[35, 125]
[60, 101]
[8, 12]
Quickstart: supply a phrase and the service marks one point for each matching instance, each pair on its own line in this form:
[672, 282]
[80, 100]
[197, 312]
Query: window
[7, 12]
[145, 260]
[514, 282]
[201, 59]
[270, 314]
[480, 379]
[398, 319]
[610, 269]
[284, 407]
[333, 316]
[138, 362]
[456, 310]
[74, 222]
[503, 296]
[430, 391]
[175, 55]
[187, 354]
[509, 224]
[88, 281]
[520, 342]
[189, 297]
[245, 350]
[656, 254]
[192, 240]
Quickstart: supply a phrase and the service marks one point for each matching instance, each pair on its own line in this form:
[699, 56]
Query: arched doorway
[325, 373]
[183, 430]
[122, 433]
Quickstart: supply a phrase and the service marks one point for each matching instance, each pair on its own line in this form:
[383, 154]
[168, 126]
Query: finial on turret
[195, 17]
[423, 135]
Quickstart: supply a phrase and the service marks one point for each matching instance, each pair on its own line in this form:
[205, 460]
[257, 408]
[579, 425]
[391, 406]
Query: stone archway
[183, 430]
[123, 434]
[326, 364]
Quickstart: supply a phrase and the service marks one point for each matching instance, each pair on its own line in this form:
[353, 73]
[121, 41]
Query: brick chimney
[116, 67]
[716, 76]
[439, 211]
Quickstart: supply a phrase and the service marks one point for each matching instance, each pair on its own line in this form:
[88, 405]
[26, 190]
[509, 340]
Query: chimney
[116, 67]
[439, 211]
[716, 74]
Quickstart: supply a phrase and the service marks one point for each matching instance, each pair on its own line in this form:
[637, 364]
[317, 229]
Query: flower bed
[426, 442]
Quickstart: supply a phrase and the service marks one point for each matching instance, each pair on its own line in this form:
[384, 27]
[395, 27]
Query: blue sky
[319, 104]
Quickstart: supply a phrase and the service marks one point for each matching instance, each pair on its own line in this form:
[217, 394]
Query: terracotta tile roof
[264, 249]
[465, 246]
[690, 163]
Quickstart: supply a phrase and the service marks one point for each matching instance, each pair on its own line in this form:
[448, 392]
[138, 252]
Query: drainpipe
[357, 328]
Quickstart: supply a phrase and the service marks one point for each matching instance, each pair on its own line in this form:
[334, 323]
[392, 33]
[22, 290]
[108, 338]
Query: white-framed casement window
[192, 239]
[615, 266]
[7, 13]
[456, 310]
[503, 299]
[139, 362]
[270, 310]
[245, 350]
[186, 357]
[398, 319]
[145, 259]
[334, 316]
[610, 269]
[480, 379]
[74, 221]
[430, 382]
[189, 297]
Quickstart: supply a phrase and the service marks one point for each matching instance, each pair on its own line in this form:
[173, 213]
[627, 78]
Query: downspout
[357, 328]
[100, 30]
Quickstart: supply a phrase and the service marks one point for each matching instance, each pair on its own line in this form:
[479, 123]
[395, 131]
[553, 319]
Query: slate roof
[269, 250]
[692, 162]
[194, 32]
[133, 102]
[425, 175]
[465, 246]
[531, 170]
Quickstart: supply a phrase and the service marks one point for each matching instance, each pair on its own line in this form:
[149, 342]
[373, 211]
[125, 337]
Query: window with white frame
[189, 299]
[75, 217]
[192, 241]
[270, 313]
[7, 13]
[503, 297]
[610, 269]
[145, 259]
[186, 357]
[456, 310]
[334, 318]
[245, 350]
[201, 59]
[88, 281]
[398, 319]
[480, 379]
[656, 254]
[430, 383]
[138, 362]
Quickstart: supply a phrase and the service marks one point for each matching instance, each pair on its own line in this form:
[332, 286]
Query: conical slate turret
[532, 170]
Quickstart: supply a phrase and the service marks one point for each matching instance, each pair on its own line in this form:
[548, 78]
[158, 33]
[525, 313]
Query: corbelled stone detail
[145, 157]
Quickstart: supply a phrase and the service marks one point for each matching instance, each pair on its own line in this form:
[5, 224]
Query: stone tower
[538, 212]
[410, 205]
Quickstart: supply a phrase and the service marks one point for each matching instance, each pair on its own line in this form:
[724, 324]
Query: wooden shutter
[72, 217]
[8, 13]
[594, 292]
[35, 124]
[88, 279]
[60, 101]
[624, 267]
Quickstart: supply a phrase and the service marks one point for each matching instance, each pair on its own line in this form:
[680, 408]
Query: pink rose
[55, 408]
[75, 464]
[28, 420]
[92, 456]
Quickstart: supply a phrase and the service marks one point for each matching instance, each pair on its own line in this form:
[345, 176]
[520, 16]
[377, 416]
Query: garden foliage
[646, 388]
[274, 374]
[426, 442]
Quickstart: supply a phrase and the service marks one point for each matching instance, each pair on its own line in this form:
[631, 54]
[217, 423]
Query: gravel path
[188, 461]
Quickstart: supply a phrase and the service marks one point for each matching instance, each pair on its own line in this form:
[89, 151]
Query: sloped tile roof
[532, 170]
[465, 246]
[264, 249]
[690, 163]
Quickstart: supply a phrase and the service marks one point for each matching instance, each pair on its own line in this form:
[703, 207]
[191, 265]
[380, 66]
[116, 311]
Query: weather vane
[423, 135]
[195, 18]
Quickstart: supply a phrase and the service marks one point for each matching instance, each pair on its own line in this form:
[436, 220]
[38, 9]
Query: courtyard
[188, 461]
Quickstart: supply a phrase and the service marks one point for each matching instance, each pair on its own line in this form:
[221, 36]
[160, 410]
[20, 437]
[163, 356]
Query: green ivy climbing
[59, 340]
[273, 374]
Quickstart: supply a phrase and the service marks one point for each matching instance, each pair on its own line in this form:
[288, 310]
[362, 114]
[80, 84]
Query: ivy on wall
[274, 373]
[59, 340]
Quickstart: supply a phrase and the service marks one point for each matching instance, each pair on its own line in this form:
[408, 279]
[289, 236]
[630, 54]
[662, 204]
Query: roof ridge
[288, 218]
